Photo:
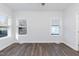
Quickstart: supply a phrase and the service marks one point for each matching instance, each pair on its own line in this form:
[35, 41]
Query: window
[55, 30]
[3, 26]
[22, 29]
[3, 31]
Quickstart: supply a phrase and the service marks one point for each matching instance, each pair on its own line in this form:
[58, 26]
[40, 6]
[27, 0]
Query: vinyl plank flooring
[38, 49]
[68, 51]
[57, 49]
[10, 48]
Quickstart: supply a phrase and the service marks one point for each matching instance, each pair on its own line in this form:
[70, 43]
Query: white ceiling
[37, 6]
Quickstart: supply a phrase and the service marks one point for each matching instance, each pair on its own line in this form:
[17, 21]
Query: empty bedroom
[39, 29]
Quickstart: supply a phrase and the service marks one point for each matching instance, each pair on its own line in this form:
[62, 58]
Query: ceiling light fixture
[43, 4]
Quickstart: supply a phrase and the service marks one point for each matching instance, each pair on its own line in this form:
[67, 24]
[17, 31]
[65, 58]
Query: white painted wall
[39, 26]
[69, 24]
[5, 41]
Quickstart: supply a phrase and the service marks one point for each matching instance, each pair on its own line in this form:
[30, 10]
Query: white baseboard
[39, 42]
[76, 49]
[6, 46]
[5, 42]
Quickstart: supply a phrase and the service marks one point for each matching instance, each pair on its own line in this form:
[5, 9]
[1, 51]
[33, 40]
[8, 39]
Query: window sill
[55, 34]
[1, 38]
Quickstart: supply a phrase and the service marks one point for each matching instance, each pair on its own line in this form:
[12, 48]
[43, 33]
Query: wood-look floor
[38, 49]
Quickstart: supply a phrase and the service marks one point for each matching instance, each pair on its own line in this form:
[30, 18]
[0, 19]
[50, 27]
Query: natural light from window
[55, 30]
[3, 26]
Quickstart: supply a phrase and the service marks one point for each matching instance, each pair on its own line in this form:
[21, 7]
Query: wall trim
[76, 49]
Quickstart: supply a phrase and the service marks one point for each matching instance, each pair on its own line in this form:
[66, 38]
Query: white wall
[69, 24]
[5, 41]
[39, 26]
